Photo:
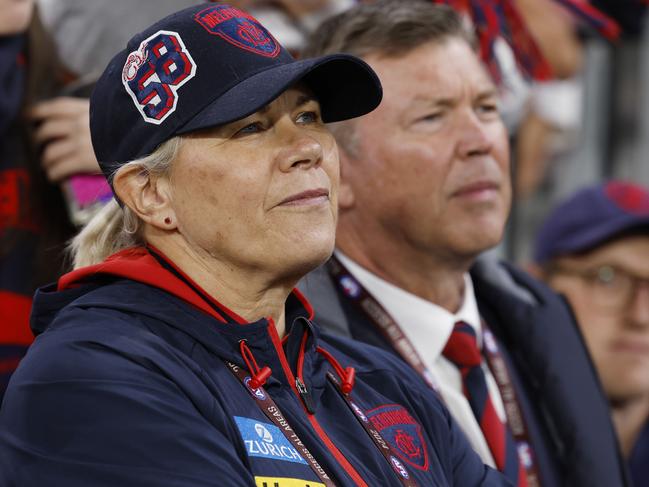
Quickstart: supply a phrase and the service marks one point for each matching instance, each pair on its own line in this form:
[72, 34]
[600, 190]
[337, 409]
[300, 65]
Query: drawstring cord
[258, 376]
[347, 375]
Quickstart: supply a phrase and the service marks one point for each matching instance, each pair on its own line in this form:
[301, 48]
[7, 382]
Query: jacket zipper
[351, 471]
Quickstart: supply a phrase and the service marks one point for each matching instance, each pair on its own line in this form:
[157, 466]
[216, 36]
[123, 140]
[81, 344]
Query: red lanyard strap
[379, 317]
[515, 419]
[383, 446]
[273, 413]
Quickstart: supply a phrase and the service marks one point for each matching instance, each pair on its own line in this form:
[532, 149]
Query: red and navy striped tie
[462, 349]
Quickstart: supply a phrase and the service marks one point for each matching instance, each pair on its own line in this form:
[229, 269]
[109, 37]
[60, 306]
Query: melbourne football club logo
[402, 432]
[350, 286]
[239, 28]
[629, 197]
[399, 467]
[258, 393]
[154, 72]
[359, 412]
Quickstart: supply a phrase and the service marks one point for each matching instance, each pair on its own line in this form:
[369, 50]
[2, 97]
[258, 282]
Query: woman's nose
[300, 149]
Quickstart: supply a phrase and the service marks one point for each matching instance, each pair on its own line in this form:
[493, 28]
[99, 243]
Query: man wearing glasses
[594, 249]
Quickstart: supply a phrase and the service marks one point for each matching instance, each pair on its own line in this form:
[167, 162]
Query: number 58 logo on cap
[154, 72]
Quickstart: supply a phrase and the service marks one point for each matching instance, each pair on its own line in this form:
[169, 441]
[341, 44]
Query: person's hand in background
[63, 131]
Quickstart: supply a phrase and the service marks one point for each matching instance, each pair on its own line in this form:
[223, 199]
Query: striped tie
[462, 350]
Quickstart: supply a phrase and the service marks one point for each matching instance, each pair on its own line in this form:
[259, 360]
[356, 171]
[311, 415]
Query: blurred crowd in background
[573, 95]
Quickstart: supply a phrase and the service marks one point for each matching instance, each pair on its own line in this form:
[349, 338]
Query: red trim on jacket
[139, 265]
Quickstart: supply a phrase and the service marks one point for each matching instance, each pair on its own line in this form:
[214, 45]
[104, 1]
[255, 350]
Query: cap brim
[345, 86]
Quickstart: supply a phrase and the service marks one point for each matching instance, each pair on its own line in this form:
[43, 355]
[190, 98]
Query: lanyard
[381, 319]
[382, 445]
[272, 412]
[390, 329]
[515, 419]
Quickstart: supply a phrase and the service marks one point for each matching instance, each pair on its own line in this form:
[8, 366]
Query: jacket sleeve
[81, 413]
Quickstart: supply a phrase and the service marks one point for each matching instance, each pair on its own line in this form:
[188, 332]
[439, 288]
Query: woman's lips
[306, 198]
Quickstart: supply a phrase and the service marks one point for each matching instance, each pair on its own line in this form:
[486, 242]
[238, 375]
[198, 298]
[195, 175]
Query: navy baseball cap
[208, 65]
[591, 217]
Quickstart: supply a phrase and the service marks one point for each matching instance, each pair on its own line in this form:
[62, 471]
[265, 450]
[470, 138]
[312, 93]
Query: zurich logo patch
[402, 432]
[154, 72]
[238, 28]
[265, 440]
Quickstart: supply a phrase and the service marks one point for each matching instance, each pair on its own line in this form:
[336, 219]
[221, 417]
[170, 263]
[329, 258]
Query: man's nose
[475, 135]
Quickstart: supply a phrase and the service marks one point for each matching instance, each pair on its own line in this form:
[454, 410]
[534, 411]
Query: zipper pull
[305, 395]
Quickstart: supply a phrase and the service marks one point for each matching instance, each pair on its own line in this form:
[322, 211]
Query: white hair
[116, 227]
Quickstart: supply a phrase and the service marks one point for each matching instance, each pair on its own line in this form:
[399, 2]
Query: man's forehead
[433, 66]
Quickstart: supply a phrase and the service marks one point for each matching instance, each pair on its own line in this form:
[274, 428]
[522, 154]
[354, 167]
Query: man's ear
[346, 196]
[149, 197]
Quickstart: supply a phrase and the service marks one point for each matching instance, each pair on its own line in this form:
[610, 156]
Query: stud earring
[167, 221]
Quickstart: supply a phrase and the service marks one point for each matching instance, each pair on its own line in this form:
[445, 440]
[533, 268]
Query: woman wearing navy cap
[177, 352]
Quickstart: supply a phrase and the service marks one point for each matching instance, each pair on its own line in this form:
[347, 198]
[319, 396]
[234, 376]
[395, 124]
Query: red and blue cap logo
[631, 198]
[239, 29]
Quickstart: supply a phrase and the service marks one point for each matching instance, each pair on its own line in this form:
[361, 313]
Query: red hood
[139, 265]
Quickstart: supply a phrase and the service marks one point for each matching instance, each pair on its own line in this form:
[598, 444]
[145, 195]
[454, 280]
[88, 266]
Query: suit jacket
[561, 397]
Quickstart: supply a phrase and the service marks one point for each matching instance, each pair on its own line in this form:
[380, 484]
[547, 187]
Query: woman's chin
[300, 261]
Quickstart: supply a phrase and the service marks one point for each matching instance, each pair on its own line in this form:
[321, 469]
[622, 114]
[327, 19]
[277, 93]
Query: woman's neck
[250, 294]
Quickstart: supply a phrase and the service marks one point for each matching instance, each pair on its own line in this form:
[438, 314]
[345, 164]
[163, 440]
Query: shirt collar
[427, 325]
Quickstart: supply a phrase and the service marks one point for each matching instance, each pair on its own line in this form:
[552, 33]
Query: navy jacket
[561, 398]
[126, 385]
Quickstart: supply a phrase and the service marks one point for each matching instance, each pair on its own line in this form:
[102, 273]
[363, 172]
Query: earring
[167, 221]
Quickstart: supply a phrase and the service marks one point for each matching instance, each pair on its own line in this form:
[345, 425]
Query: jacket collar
[216, 327]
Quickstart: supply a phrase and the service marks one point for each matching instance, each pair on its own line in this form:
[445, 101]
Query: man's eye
[308, 117]
[431, 117]
[251, 128]
[488, 108]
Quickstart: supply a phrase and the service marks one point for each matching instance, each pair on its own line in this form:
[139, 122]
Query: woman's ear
[345, 192]
[149, 197]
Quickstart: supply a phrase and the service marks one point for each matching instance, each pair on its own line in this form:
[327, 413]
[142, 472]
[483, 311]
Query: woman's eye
[308, 117]
[251, 128]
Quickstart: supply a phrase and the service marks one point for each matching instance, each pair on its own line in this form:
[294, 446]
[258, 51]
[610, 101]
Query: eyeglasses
[612, 288]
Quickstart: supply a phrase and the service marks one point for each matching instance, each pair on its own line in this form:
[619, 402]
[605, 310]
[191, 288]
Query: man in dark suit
[425, 189]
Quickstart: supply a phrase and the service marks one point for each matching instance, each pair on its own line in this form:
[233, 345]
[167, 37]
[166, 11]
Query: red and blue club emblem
[154, 72]
[239, 28]
[629, 197]
[402, 432]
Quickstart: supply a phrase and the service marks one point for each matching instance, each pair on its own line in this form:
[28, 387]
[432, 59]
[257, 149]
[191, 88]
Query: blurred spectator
[89, 32]
[594, 248]
[554, 106]
[33, 220]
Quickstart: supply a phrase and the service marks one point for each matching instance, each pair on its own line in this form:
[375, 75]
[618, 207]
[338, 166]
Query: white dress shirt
[428, 327]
